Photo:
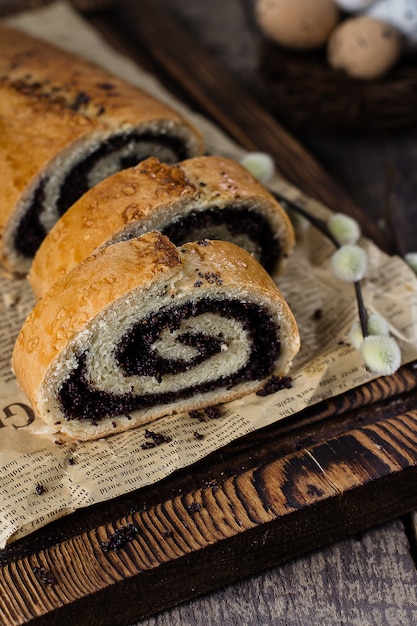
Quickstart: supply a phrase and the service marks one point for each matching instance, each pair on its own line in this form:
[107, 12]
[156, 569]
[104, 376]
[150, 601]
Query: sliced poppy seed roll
[143, 328]
[66, 124]
[200, 198]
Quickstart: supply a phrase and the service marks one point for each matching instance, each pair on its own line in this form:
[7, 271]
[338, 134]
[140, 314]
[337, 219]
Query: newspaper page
[45, 477]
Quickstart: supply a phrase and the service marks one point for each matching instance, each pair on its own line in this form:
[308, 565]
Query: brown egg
[302, 24]
[364, 47]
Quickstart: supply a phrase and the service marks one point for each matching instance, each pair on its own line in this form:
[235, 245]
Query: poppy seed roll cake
[144, 328]
[65, 125]
[207, 197]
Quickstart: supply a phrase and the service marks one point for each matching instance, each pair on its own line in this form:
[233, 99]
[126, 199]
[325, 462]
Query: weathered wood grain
[368, 580]
[234, 514]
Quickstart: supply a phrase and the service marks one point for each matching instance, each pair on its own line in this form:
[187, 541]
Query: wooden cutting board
[330, 471]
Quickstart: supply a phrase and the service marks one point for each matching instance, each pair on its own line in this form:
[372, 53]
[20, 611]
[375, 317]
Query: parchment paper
[75, 475]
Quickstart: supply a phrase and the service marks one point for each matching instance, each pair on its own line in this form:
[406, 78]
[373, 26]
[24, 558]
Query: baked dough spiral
[143, 328]
[207, 197]
[65, 125]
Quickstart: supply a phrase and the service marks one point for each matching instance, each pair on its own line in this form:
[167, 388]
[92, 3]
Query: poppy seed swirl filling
[242, 225]
[174, 353]
[50, 200]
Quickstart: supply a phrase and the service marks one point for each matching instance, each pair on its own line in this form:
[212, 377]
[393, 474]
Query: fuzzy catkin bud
[260, 164]
[343, 228]
[349, 263]
[376, 325]
[381, 354]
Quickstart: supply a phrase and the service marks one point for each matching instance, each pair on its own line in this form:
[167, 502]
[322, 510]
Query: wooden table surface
[369, 579]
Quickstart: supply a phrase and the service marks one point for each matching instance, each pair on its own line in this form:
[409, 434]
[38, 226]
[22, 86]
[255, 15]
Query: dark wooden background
[368, 579]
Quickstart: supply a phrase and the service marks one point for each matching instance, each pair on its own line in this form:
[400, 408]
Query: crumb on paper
[155, 439]
[210, 412]
[274, 384]
[213, 412]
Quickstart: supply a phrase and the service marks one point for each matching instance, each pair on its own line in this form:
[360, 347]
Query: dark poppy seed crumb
[44, 575]
[40, 489]
[212, 484]
[105, 86]
[274, 384]
[213, 278]
[81, 99]
[318, 314]
[147, 445]
[213, 412]
[139, 508]
[194, 507]
[197, 415]
[119, 538]
[71, 461]
[156, 439]
[167, 533]
[203, 242]
[198, 435]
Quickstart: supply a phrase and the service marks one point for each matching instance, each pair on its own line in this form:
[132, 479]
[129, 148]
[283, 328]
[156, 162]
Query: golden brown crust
[104, 211]
[147, 197]
[51, 101]
[76, 83]
[103, 280]
[32, 132]
[81, 295]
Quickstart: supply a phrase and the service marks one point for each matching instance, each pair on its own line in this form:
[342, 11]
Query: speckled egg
[352, 6]
[399, 13]
[364, 48]
[300, 24]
